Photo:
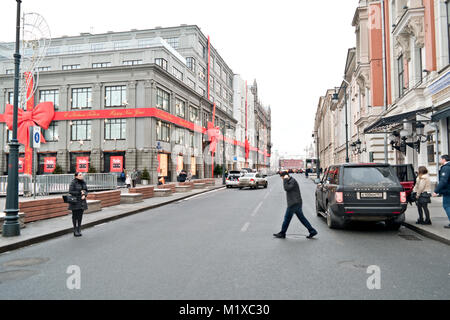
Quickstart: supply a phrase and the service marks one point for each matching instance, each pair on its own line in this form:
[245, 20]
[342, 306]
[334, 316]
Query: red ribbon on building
[42, 115]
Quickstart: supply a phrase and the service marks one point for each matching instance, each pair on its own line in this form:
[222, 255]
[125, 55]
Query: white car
[233, 178]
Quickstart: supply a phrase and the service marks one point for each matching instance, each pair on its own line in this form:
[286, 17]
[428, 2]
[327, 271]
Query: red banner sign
[49, 164]
[21, 165]
[116, 164]
[82, 164]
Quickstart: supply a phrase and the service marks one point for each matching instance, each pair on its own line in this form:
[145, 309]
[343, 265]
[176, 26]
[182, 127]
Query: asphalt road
[219, 245]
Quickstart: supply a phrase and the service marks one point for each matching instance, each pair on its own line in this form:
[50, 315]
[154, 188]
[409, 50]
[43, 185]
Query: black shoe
[279, 235]
[312, 234]
[427, 222]
[79, 231]
[76, 233]
[447, 227]
[420, 222]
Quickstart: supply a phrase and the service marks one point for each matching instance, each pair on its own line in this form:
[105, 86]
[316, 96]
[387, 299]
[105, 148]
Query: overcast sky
[295, 49]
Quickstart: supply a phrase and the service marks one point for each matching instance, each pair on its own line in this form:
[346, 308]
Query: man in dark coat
[78, 189]
[182, 176]
[443, 188]
[294, 203]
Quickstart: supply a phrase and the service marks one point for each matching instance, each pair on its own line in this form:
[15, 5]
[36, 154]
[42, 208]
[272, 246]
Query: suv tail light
[339, 197]
[403, 197]
[251, 180]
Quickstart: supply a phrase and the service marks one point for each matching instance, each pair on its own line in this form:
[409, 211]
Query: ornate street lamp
[335, 99]
[11, 226]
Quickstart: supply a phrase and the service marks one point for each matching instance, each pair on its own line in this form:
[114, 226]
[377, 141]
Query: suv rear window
[405, 173]
[369, 176]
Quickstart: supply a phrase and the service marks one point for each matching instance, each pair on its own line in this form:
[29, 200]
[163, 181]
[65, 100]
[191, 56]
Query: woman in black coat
[78, 189]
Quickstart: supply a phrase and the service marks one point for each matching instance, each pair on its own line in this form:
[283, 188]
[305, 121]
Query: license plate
[372, 195]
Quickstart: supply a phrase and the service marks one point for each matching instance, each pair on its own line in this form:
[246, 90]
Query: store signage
[82, 164]
[116, 164]
[49, 164]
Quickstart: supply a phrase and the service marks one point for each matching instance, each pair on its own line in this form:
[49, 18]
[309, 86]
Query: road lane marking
[267, 194]
[256, 209]
[245, 227]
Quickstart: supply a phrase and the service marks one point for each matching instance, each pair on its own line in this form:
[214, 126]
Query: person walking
[134, 176]
[78, 189]
[422, 190]
[128, 180]
[294, 205]
[443, 188]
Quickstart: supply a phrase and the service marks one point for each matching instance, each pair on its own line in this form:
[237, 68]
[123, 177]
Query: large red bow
[41, 115]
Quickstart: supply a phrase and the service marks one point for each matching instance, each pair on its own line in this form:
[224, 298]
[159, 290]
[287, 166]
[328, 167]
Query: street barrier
[60, 183]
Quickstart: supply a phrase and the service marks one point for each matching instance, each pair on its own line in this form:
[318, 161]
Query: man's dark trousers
[297, 209]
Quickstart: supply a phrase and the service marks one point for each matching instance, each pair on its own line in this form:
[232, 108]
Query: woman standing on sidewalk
[78, 189]
[423, 195]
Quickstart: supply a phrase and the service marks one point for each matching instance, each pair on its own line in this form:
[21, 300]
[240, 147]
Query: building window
[71, 66]
[131, 62]
[119, 45]
[205, 119]
[162, 131]
[115, 129]
[230, 81]
[115, 96]
[75, 49]
[431, 154]
[193, 114]
[97, 47]
[80, 130]
[191, 139]
[190, 63]
[180, 108]
[144, 43]
[101, 65]
[161, 62]
[204, 49]
[53, 50]
[9, 71]
[179, 136]
[173, 42]
[177, 73]
[51, 134]
[81, 98]
[211, 84]
[401, 80]
[202, 73]
[43, 69]
[50, 96]
[162, 99]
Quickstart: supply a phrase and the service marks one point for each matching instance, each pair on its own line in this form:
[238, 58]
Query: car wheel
[333, 222]
[240, 188]
[393, 225]
[265, 186]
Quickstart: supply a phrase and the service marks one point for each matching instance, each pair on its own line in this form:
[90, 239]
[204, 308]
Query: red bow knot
[42, 115]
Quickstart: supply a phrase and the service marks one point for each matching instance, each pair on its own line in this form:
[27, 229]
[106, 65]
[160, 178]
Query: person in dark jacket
[78, 189]
[182, 176]
[294, 203]
[443, 188]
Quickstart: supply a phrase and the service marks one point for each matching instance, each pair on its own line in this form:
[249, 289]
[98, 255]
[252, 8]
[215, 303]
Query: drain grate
[410, 237]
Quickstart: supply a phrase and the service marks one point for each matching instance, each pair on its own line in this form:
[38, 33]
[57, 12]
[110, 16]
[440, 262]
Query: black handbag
[425, 197]
[68, 198]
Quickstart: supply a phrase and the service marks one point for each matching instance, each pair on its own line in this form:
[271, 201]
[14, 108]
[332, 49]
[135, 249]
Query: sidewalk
[42, 230]
[438, 219]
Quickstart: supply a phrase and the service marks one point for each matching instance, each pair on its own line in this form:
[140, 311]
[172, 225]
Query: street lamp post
[11, 226]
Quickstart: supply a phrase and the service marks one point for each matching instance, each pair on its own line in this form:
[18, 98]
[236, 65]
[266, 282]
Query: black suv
[361, 192]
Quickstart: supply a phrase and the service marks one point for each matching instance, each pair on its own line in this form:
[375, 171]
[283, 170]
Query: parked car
[405, 173]
[233, 178]
[361, 192]
[253, 180]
